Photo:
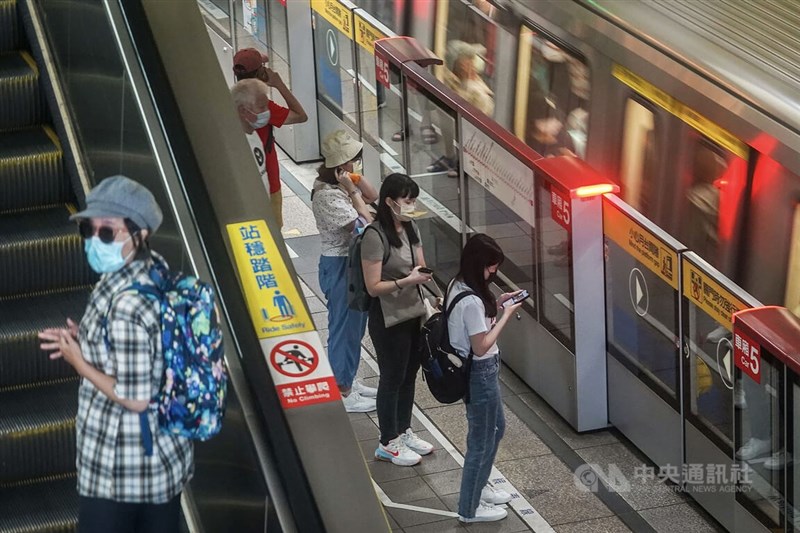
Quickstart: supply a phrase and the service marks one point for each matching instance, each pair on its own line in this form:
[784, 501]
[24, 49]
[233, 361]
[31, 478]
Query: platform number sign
[559, 208]
[381, 70]
[747, 355]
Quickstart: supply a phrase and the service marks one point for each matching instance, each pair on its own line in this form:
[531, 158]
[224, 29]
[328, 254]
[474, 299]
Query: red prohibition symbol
[294, 358]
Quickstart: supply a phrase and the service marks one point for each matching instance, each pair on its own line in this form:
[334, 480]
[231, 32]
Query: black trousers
[98, 515]
[397, 348]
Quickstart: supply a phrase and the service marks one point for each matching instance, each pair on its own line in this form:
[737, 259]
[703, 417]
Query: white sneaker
[397, 452]
[753, 448]
[739, 399]
[486, 512]
[777, 461]
[355, 403]
[363, 390]
[494, 496]
[415, 443]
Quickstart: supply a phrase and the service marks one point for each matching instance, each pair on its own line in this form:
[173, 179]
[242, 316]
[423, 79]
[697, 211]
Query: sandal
[399, 136]
[429, 135]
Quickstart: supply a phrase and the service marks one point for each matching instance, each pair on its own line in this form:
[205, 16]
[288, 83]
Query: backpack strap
[384, 240]
[151, 292]
[449, 309]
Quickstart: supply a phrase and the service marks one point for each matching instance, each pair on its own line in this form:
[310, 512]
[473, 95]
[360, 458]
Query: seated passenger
[259, 115]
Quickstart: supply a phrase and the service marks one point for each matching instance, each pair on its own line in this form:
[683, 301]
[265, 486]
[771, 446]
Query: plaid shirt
[111, 460]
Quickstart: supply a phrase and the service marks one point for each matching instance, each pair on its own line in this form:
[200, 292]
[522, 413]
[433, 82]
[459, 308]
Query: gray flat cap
[118, 196]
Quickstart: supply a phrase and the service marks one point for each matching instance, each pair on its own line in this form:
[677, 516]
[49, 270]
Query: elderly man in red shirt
[259, 115]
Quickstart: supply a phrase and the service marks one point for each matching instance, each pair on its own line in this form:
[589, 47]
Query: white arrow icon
[639, 292]
[726, 362]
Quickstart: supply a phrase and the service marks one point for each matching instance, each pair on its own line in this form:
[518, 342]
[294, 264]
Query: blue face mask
[262, 119]
[104, 257]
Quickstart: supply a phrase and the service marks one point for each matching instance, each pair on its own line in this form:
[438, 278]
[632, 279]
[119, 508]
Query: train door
[551, 108]
[770, 255]
[682, 171]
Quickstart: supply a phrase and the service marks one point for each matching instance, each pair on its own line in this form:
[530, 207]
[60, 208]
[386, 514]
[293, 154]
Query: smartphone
[426, 270]
[516, 299]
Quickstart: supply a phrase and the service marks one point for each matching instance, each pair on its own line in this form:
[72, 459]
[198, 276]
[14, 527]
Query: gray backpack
[358, 298]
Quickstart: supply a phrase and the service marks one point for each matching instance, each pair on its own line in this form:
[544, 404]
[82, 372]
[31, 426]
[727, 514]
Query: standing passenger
[473, 326]
[261, 115]
[117, 352]
[394, 316]
[340, 208]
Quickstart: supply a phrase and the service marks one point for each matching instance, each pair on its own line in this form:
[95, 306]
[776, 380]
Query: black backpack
[445, 372]
[358, 298]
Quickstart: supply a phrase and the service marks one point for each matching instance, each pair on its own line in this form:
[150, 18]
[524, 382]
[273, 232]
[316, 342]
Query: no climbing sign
[300, 370]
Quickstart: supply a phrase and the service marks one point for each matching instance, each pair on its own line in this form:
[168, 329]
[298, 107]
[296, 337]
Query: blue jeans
[486, 425]
[345, 327]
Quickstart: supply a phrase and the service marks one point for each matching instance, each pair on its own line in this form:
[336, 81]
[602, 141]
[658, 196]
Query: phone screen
[516, 299]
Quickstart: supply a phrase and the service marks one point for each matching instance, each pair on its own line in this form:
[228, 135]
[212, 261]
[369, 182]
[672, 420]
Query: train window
[466, 42]
[551, 110]
[712, 200]
[336, 88]
[792, 297]
[638, 157]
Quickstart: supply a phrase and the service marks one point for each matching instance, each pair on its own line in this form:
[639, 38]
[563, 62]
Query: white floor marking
[389, 503]
[518, 503]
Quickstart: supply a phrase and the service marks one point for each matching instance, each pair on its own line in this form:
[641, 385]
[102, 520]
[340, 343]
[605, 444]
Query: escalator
[43, 279]
[84, 95]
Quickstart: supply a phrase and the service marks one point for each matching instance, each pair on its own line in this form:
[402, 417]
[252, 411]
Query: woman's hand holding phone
[417, 276]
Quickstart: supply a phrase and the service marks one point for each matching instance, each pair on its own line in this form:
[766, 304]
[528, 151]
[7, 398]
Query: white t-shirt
[333, 212]
[257, 148]
[468, 318]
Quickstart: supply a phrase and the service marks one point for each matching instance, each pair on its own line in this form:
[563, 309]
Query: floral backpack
[192, 397]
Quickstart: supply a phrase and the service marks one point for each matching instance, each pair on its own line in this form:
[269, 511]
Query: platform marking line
[518, 503]
[389, 503]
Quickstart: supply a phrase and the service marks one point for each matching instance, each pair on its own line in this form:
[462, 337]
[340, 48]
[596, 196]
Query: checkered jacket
[111, 460]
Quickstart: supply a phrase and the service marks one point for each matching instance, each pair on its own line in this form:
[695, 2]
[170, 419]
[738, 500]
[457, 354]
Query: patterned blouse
[111, 459]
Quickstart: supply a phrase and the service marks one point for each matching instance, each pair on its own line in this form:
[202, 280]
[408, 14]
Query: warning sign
[709, 295]
[272, 297]
[294, 358]
[300, 370]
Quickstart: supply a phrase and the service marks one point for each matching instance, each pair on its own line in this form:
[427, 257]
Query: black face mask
[492, 277]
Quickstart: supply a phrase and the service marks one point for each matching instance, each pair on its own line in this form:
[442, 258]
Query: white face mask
[358, 166]
[406, 211]
[262, 119]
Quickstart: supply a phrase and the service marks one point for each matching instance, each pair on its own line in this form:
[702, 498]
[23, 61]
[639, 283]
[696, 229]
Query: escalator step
[21, 319]
[21, 103]
[40, 251]
[9, 26]
[48, 505]
[31, 170]
[37, 431]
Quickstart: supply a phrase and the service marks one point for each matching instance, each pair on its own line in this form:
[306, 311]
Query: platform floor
[538, 455]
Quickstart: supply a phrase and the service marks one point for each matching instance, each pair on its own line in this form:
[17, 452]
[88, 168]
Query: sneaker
[355, 403]
[494, 496]
[415, 443]
[777, 460]
[486, 512]
[363, 390]
[397, 452]
[753, 448]
[739, 399]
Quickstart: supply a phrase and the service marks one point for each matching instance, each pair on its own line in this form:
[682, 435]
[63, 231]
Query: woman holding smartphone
[474, 326]
[395, 314]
